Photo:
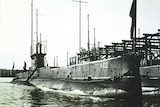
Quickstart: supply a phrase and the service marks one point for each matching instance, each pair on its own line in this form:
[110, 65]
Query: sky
[59, 25]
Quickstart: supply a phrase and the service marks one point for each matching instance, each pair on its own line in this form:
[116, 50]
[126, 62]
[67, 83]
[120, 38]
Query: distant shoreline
[9, 72]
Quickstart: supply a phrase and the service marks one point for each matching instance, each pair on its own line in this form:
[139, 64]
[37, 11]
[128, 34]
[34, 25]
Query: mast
[94, 38]
[80, 26]
[31, 27]
[37, 30]
[40, 43]
[80, 23]
[57, 61]
[67, 58]
[88, 38]
[37, 24]
[54, 62]
[95, 44]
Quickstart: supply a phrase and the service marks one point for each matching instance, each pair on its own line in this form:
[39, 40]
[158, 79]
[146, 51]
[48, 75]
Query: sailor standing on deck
[24, 67]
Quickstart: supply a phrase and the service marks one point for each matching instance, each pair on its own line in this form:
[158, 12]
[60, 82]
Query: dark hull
[151, 82]
[116, 76]
[150, 76]
[118, 88]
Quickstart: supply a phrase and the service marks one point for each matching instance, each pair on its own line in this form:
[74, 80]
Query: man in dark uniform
[24, 67]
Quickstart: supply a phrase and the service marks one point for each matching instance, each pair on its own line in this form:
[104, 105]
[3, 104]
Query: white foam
[73, 92]
[44, 88]
[108, 91]
[149, 89]
[58, 86]
[97, 99]
[151, 93]
[78, 92]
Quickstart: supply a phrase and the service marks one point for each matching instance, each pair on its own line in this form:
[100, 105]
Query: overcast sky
[59, 22]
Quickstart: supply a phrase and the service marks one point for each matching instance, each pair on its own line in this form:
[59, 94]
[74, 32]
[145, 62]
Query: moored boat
[147, 48]
[150, 62]
[98, 69]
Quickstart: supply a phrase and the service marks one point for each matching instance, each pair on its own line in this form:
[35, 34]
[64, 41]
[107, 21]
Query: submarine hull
[150, 76]
[119, 75]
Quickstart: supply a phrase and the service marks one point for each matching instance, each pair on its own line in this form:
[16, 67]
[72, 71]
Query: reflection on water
[151, 101]
[12, 95]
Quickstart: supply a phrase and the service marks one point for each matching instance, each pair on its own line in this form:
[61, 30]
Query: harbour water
[14, 95]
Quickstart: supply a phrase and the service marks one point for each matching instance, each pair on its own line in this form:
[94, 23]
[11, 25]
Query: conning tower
[38, 57]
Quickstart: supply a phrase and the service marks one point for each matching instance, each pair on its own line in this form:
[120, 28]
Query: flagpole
[133, 32]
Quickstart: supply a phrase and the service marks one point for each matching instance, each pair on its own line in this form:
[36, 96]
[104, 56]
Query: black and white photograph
[79, 53]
